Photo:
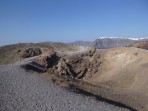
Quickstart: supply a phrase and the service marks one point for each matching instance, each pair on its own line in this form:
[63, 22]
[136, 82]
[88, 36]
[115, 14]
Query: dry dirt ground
[125, 70]
[118, 76]
[21, 90]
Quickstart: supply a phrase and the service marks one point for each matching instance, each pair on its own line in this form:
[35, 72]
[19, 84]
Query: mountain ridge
[108, 42]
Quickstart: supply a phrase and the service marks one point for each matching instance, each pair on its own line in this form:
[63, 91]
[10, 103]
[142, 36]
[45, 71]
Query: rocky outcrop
[90, 52]
[48, 60]
[30, 52]
[77, 66]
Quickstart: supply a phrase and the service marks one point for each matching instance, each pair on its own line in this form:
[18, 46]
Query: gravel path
[23, 91]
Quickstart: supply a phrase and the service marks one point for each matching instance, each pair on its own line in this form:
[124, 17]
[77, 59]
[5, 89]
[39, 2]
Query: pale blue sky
[71, 20]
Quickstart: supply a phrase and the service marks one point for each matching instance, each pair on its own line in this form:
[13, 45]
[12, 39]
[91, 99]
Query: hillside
[10, 53]
[140, 44]
[125, 70]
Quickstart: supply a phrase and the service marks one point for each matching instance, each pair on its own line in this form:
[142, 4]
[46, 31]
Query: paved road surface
[24, 91]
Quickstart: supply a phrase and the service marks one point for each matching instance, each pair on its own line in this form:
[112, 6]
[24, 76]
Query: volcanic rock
[48, 60]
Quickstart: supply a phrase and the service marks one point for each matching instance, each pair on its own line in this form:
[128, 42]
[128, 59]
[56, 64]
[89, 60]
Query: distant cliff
[104, 43]
[108, 42]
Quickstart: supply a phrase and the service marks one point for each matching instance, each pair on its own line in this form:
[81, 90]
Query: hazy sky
[70, 20]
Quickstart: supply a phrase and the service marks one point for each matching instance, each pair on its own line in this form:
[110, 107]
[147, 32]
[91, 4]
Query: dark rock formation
[33, 66]
[48, 60]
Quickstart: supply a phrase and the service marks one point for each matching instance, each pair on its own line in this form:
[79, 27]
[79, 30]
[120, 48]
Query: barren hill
[126, 71]
[10, 53]
[119, 74]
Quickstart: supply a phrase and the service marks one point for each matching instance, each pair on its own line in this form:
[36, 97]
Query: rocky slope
[140, 44]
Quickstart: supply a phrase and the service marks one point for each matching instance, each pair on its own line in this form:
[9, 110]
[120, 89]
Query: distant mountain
[46, 42]
[84, 43]
[104, 43]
